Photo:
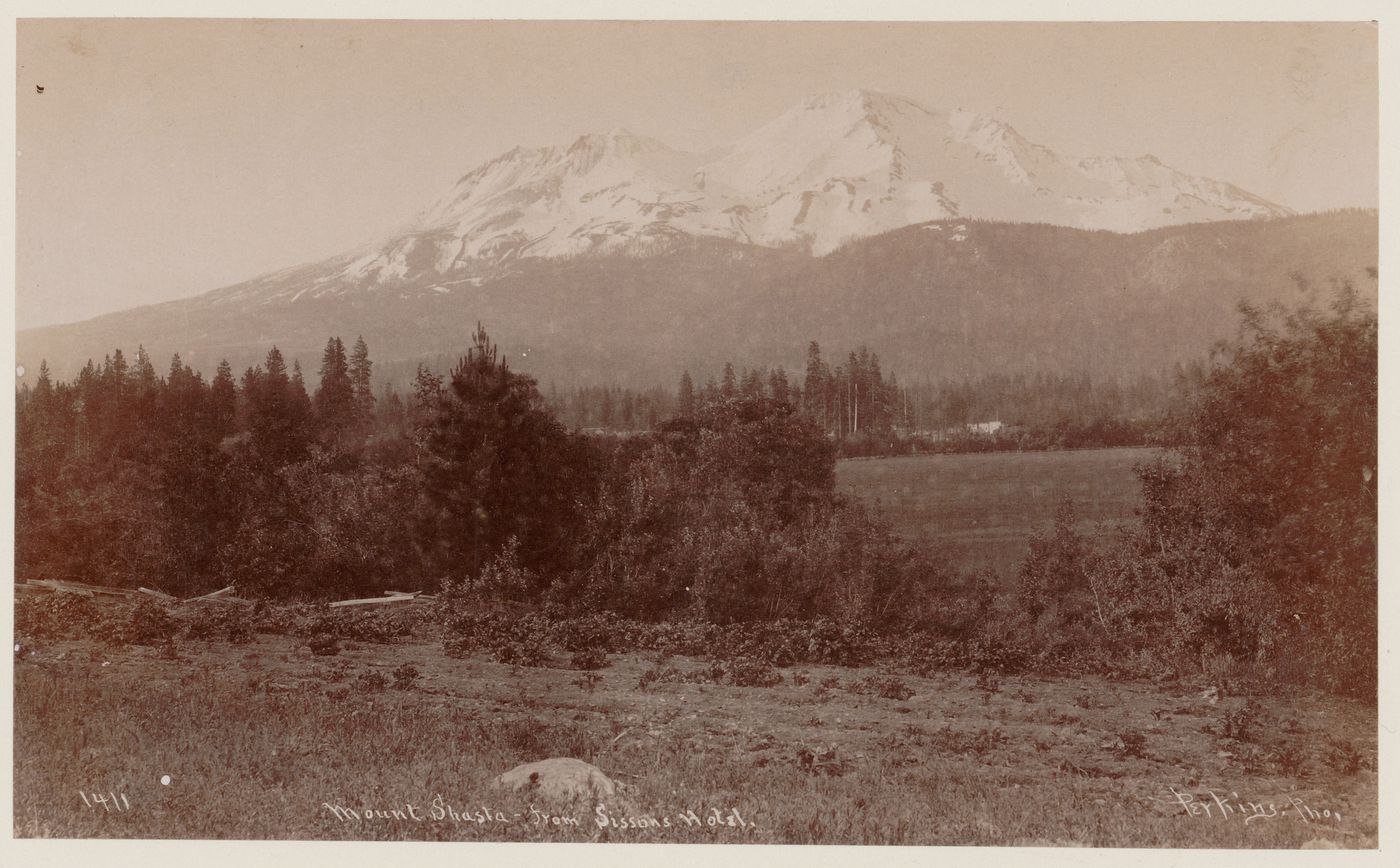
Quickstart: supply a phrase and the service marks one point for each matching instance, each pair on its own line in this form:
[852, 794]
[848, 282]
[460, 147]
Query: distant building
[955, 432]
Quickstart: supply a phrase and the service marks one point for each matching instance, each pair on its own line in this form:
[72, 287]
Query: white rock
[561, 778]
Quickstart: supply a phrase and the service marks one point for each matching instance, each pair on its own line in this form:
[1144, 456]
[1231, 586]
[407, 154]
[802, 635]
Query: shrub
[691, 638]
[1132, 743]
[533, 650]
[58, 616]
[526, 640]
[324, 646]
[280, 619]
[752, 672]
[1240, 724]
[372, 681]
[834, 644]
[357, 626]
[405, 677]
[884, 686]
[588, 659]
[146, 623]
[234, 624]
[1344, 756]
[656, 675]
[603, 632]
[588, 681]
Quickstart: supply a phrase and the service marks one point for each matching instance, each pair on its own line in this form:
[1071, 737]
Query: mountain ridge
[942, 298]
[833, 168]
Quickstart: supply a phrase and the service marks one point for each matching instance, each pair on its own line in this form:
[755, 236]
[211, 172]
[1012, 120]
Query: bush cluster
[356, 625]
[234, 624]
[59, 616]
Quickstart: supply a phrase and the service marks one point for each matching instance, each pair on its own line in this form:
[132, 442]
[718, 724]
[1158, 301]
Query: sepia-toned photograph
[934, 433]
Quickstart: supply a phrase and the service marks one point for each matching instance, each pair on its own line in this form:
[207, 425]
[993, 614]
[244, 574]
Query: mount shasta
[552, 245]
[834, 168]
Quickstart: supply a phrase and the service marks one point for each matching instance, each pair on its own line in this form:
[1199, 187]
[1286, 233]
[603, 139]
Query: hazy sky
[167, 158]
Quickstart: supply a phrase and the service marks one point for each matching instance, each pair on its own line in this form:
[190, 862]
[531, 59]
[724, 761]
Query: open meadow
[255, 735]
[986, 506]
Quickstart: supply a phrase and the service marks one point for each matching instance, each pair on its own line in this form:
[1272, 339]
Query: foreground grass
[259, 740]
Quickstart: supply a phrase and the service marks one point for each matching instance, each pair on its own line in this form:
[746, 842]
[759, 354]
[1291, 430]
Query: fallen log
[81, 588]
[61, 587]
[237, 601]
[159, 595]
[369, 601]
[212, 595]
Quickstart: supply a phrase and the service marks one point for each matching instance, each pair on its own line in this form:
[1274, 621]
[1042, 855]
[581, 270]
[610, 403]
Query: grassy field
[986, 506]
[264, 740]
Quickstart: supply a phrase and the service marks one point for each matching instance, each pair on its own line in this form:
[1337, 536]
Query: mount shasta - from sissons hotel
[943, 240]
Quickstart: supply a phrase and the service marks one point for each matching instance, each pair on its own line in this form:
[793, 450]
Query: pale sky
[166, 158]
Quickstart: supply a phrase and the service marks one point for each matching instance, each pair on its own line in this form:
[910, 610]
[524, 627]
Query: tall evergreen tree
[778, 386]
[729, 386]
[814, 387]
[605, 410]
[302, 410]
[335, 397]
[278, 432]
[498, 466]
[685, 397]
[752, 384]
[143, 373]
[43, 390]
[361, 381]
[711, 393]
[223, 401]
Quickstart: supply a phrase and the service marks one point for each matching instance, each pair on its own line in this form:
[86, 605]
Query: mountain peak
[835, 166]
[858, 99]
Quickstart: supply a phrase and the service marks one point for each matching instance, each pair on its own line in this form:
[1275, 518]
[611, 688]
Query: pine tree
[605, 412]
[43, 390]
[116, 366]
[223, 401]
[503, 474]
[729, 386]
[778, 386]
[685, 397]
[143, 373]
[360, 380]
[814, 388]
[711, 393]
[279, 432]
[752, 384]
[335, 408]
[302, 411]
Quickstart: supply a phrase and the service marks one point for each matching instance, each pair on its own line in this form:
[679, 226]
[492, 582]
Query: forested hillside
[948, 300]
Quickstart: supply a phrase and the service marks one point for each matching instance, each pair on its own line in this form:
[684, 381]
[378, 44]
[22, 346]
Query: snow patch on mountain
[833, 168]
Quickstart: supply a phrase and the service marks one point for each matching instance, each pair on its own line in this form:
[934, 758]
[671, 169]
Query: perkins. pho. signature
[1213, 805]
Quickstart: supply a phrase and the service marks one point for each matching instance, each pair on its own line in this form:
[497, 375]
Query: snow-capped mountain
[833, 168]
[693, 257]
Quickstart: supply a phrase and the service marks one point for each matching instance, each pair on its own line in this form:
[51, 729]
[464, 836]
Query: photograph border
[24, 852]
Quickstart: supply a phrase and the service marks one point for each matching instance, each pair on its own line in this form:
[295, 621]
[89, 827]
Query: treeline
[1256, 548]
[1255, 551]
[728, 513]
[611, 408]
[869, 413]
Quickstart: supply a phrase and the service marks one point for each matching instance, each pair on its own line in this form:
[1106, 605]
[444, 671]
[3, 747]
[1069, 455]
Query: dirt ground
[267, 741]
